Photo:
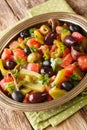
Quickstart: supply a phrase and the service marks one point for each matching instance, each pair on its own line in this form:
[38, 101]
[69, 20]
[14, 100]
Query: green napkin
[51, 6]
[42, 119]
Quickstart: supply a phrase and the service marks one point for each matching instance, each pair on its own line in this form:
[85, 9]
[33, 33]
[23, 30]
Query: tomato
[45, 48]
[5, 80]
[53, 48]
[82, 62]
[67, 60]
[33, 67]
[33, 42]
[13, 45]
[66, 51]
[78, 36]
[7, 54]
[19, 54]
[69, 69]
[20, 39]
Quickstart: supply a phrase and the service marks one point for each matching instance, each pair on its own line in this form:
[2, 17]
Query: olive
[49, 38]
[25, 33]
[67, 85]
[74, 28]
[47, 70]
[69, 41]
[27, 50]
[18, 96]
[37, 97]
[10, 64]
[46, 63]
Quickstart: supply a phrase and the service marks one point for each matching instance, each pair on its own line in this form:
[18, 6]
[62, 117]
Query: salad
[43, 62]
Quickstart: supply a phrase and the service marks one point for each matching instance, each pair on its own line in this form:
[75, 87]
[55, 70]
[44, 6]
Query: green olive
[44, 29]
[33, 57]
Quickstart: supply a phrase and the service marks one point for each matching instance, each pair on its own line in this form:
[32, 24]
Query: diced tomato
[7, 54]
[13, 45]
[82, 61]
[69, 69]
[19, 53]
[53, 48]
[5, 80]
[33, 42]
[45, 48]
[20, 39]
[33, 67]
[68, 59]
[78, 36]
[66, 51]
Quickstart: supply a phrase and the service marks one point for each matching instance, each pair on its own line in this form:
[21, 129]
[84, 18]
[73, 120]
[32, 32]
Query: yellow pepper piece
[2, 69]
[38, 37]
[60, 77]
[34, 86]
[44, 29]
[56, 92]
[60, 46]
[64, 33]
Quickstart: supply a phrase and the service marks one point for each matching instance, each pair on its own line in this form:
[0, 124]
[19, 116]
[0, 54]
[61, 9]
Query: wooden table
[12, 11]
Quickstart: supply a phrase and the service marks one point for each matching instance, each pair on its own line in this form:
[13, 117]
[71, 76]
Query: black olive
[25, 34]
[10, 64]
[37, 97]
[46, 63]
[49, 38]
[70, 41]
[27, 50]
[47, 70]
[67, 85]
[74, 28]
[18, 96]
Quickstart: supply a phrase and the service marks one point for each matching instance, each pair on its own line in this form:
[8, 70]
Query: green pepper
[61, 47]
[9, 86]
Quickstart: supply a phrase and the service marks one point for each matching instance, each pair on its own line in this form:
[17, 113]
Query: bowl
[29, 22]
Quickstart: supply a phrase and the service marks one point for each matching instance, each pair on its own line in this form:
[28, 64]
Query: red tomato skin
[66, 51]
[20, 39]
[19, 53]
[53, 48]
[69, 69]
[5, 80]
[82, 62]
[45, 48]
[78, 36]
[33, 42]
[33, 67]
[68, 59]
[7, 54]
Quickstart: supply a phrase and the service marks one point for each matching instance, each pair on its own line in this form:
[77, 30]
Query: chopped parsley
[44, 79]
[74, 79]
[32, 49]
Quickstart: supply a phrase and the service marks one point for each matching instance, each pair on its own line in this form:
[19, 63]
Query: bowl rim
[29, 22]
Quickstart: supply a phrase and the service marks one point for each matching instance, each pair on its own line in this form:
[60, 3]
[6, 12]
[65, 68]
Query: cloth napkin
[41, 120]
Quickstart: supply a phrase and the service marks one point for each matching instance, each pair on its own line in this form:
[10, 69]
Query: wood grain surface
[12, 11]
